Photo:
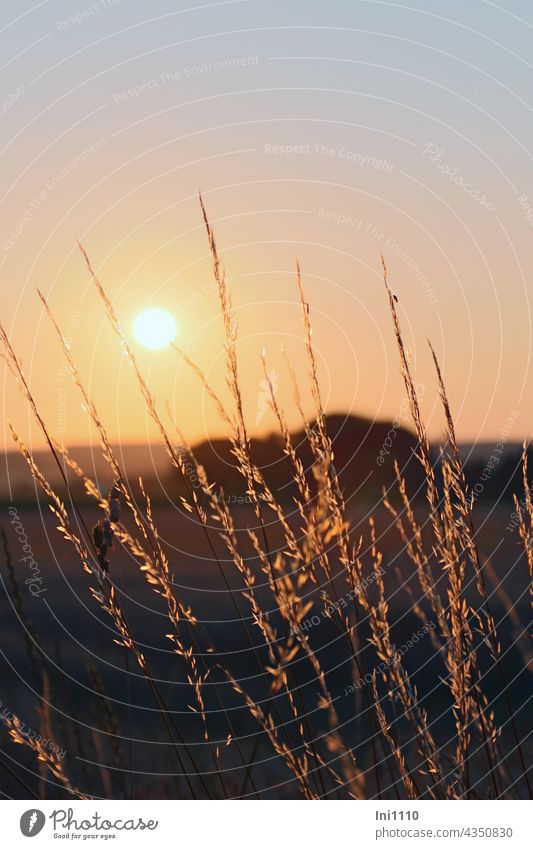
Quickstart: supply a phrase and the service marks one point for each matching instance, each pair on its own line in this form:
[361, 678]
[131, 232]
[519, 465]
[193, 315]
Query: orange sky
[369, 128]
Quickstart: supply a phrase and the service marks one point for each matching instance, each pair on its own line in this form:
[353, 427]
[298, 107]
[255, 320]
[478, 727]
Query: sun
[154, 328]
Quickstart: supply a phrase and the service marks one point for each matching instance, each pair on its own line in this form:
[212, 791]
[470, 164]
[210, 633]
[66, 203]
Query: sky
[324, 132]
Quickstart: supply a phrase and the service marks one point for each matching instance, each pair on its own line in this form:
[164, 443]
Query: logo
[32, 822]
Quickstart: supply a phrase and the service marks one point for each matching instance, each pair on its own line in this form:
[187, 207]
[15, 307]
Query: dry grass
[404, 752]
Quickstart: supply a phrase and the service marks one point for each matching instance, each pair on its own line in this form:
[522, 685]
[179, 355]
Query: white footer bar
[264, 825]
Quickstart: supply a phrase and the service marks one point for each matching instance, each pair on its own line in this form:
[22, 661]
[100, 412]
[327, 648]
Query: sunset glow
[154, 329]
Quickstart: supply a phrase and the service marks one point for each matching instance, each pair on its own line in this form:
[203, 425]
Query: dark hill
[360, 455]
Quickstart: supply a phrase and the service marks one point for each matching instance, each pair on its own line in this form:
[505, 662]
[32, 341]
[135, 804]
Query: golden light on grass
[154, 328]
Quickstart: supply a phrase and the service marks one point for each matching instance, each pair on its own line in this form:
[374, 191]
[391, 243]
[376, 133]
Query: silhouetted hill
[363, 456]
